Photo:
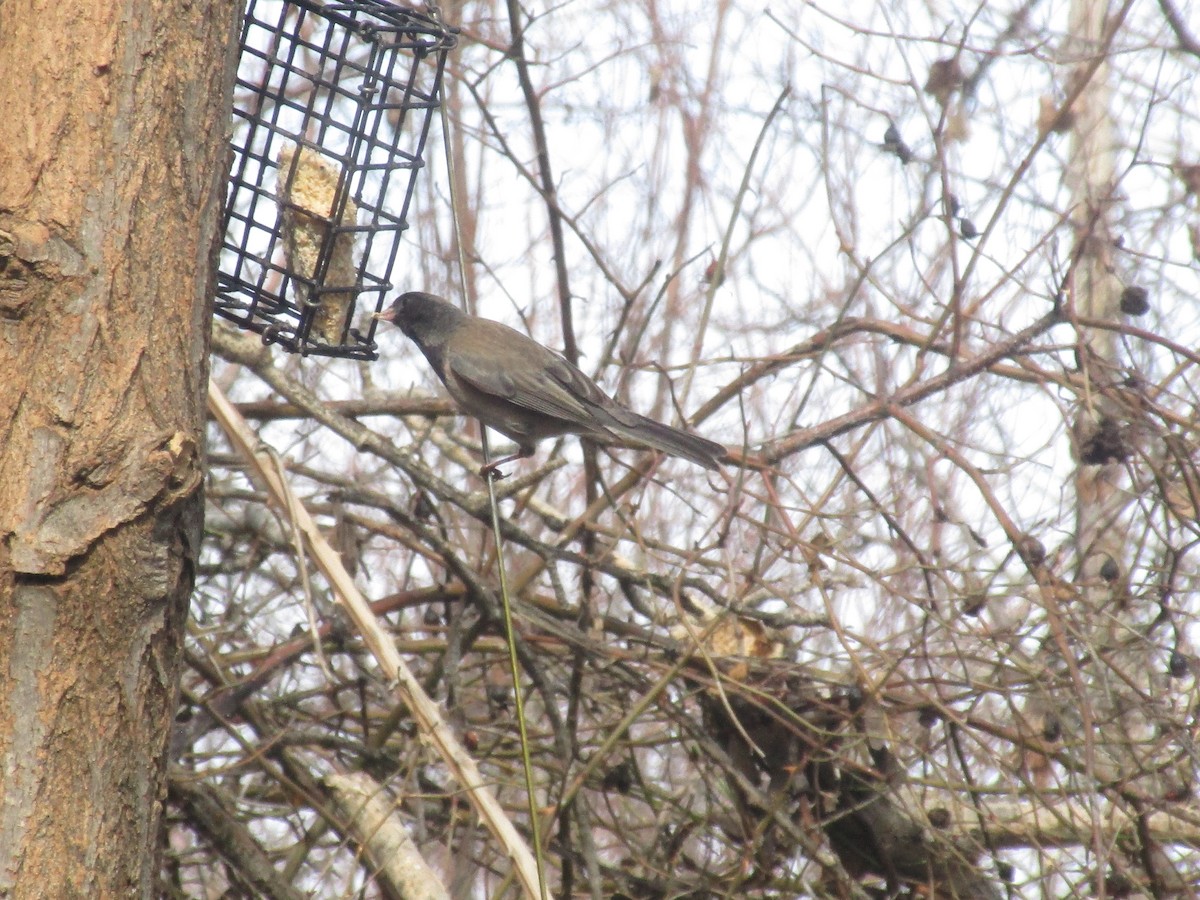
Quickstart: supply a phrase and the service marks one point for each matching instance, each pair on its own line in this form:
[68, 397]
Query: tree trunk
[1113, 730]
[111, 178]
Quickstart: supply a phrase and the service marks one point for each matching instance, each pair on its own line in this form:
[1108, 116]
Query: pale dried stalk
[462, 767]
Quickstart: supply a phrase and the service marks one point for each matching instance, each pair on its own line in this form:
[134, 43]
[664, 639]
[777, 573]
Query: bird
[526, 391]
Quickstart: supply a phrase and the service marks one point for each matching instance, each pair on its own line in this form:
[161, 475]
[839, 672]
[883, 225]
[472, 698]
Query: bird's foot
[492, 470]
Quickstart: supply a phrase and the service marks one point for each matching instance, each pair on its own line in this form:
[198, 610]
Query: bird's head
[426, 319]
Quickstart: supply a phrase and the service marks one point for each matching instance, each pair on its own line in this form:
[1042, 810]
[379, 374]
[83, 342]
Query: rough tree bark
[111, 176]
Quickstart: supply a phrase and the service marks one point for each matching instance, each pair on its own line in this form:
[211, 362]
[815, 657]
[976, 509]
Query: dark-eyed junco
[515, 385]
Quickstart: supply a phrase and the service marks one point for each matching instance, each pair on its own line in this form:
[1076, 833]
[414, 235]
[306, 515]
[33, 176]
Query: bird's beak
[388, 315]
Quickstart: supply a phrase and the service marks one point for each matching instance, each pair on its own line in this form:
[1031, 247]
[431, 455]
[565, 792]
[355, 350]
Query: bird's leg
[491, 470]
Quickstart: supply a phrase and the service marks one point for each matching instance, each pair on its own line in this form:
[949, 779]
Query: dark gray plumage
[513, 384]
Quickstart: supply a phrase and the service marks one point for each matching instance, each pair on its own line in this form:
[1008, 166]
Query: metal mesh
[332, 106]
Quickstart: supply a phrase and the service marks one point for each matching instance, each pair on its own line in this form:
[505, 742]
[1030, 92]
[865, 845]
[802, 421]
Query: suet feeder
[332, 107]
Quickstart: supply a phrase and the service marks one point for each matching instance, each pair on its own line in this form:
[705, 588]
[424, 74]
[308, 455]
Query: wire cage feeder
[332, 107]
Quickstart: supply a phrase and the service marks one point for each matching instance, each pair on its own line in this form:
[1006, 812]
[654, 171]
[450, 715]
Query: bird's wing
[541, 381]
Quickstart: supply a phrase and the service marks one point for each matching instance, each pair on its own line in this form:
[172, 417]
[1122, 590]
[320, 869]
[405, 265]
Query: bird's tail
[655, 435]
